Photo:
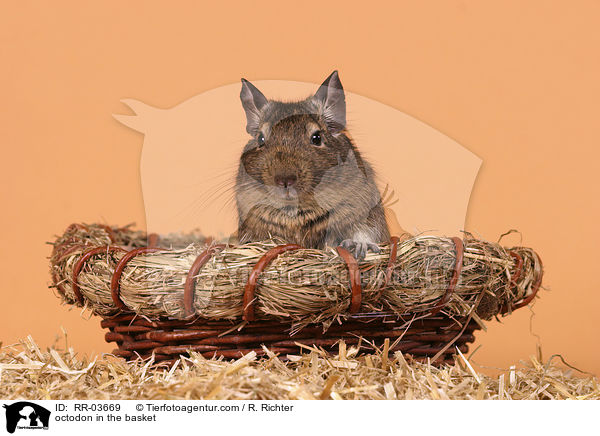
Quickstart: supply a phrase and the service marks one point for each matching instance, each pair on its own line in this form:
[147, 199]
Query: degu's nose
[286, 180]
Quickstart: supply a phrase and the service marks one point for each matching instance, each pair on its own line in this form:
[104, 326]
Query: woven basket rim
[81, 243]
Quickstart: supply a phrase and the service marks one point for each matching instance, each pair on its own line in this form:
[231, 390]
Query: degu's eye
[260, 139]
[315, 138]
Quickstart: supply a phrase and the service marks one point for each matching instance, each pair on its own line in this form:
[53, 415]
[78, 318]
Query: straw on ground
[27, 372]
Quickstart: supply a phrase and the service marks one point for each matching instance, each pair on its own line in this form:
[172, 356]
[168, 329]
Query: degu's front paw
[359, 248]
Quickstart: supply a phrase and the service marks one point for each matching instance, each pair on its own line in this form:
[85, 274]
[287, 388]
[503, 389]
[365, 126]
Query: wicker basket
[168, 339]
[433, 334]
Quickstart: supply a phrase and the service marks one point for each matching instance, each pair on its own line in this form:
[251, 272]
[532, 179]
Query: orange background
[514, 82]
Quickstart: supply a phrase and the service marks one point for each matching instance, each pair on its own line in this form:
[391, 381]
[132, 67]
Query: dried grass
[27, 372]
[305, 285]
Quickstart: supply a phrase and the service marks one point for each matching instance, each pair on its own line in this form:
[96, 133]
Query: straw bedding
[302, 286]
[27, 372]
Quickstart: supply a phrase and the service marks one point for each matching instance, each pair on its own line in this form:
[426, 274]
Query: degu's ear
[330, 97]
[253, 101]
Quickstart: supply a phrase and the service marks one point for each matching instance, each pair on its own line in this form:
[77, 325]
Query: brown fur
[334, 197]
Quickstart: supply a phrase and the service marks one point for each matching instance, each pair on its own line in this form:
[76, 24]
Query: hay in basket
[188, 293]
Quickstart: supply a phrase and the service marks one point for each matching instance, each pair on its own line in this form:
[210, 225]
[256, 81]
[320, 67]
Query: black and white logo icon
[26, 415]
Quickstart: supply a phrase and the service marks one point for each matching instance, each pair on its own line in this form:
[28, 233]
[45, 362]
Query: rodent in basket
[302, 179]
